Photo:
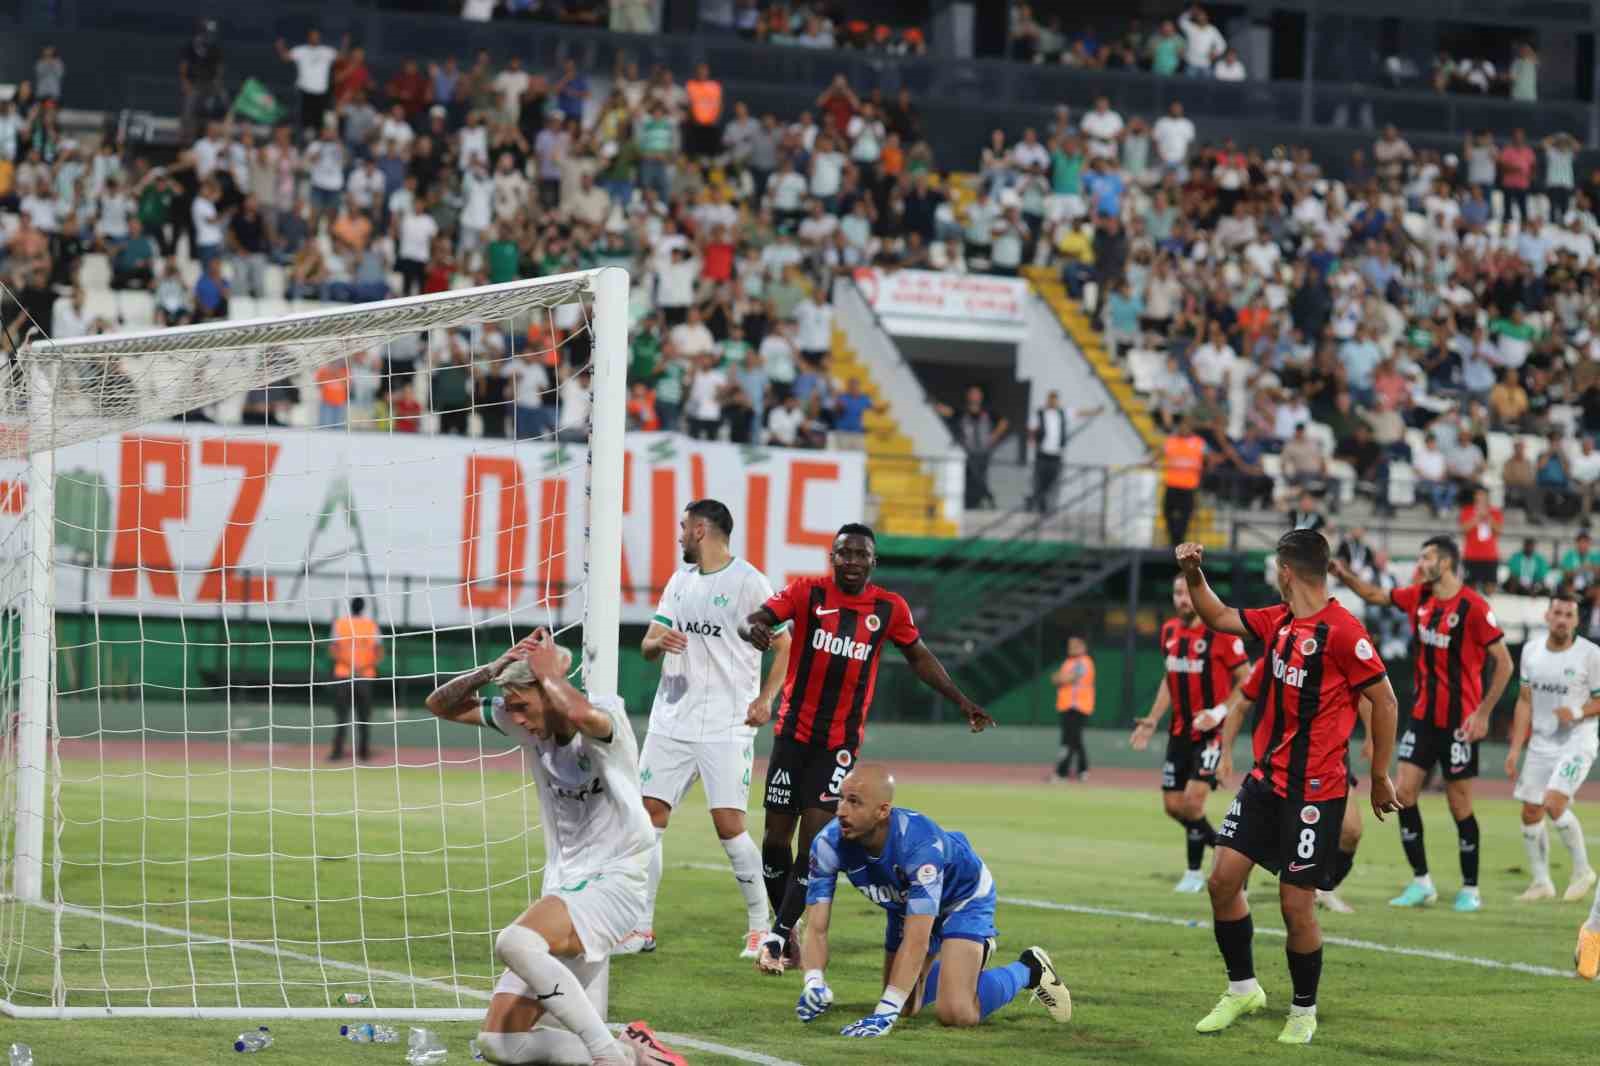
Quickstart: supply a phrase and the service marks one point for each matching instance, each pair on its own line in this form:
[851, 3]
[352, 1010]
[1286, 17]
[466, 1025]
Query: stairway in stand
[1204, 526]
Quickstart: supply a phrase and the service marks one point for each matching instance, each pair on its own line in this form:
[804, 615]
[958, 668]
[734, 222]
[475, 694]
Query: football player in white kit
[1557, 706]
[583, 757]
[708, 706]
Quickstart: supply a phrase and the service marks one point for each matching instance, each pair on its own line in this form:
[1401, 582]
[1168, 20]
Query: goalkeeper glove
[815, 999]
[881, 1020]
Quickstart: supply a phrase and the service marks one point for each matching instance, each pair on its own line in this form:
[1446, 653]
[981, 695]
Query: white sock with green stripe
[557, 988]
[745, 858]
[1572, 836]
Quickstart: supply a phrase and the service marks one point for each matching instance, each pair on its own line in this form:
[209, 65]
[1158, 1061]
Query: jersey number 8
[1308, 843]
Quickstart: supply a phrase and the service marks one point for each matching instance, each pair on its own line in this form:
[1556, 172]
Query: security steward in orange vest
[1183, 462]
[1074, 702]
[357, 650]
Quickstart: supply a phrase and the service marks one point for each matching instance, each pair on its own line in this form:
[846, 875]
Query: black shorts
[1481, 572]
[1423, 744]
[1296, 841]
[800, 776]
[1190, 760]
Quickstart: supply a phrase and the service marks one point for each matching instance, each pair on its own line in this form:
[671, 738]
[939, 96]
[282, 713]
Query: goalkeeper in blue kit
[940, 899]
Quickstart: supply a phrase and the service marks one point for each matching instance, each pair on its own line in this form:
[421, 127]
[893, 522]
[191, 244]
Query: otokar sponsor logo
[834, 644]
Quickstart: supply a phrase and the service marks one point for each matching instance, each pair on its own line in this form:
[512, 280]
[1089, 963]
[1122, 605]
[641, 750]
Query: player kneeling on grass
[940, 898]
[585, 762]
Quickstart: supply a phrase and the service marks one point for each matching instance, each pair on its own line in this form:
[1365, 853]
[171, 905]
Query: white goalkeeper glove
[815, 999]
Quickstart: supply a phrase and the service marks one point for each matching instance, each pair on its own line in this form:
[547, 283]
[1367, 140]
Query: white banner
[447, 531]
[973, 300]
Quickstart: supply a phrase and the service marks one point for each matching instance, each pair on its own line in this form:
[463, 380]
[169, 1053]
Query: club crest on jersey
[1308, 647]
[1451, 620]
[927, 874]
[833, 644]
[842, 757]
[1461, 733]
[720, 600]
[1199, 647]
[1310, 815]
[873, 622]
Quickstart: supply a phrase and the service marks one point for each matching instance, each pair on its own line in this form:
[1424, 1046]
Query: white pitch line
[204, 940]
[1194, 923]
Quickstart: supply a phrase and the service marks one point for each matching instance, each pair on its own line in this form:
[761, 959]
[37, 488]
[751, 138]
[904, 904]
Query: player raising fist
[1288, 811]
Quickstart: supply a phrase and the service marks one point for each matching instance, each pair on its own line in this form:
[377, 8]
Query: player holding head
[841, 624]
[940, 899]
[1557, 707]
[1202, 666]
[709, 703]
[1287, 814]
[598, 840]
[1455, 632]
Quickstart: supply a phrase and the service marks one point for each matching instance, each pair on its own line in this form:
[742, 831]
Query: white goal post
[172, 840]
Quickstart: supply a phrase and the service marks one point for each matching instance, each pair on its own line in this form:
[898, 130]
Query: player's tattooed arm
[457, 699]
[931, 672]
[1213, 612]
[757, 628]
[549, 663]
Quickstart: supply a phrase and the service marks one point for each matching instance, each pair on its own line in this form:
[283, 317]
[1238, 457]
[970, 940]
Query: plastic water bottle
[21, 1055]
[424, 1048]
[367, 1033]
[354, 999]
[253, 1041]
[475, 1051]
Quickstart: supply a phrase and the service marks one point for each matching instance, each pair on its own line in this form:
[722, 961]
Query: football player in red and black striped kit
[1455, 633]
[1286, 817]
[1202, 669]
[841, 622]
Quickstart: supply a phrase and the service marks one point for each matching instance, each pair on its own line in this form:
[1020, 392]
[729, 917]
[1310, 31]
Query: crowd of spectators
[1189, 44]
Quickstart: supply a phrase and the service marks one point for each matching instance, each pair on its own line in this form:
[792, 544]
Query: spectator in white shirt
[1102, 127]
[1229, 68]
[416, 231]
[510, 85]
[313, 64]
[786, 422]
[207, 224]
[1173, 134]
[691, 338]
[325, 159]
[365, 187]
[814, 328]
[1028, 154]
[708, 386]
[818, 227]
[1204, 43]
[675, 284]
[1211, 360]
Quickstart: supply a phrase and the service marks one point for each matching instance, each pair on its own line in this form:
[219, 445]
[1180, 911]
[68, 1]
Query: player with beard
[1202, 666]
[841, 624]
[1455, 632]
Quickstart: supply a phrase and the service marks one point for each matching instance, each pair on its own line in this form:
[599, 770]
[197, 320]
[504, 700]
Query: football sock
[558, 990]
[999, 985]
[1536, 842]
[745, 858]
[775, 863]
[1572, 836]
[1342, 863]
[794, 903]
[1305, 970]
[1411, 840]
[1035, 971]
[652, 882]
[1233, 940]
[1200, 836]
[1467, 831]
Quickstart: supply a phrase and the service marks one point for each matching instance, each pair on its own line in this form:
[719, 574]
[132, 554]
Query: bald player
[940, 898]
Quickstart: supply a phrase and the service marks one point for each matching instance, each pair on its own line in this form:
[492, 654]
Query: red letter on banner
[511, 539]
[142, 514]
[256, 459]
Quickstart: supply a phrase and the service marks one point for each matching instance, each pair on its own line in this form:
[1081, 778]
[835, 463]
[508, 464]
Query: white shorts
[668, 766]
[605, 905]
[1562, 770]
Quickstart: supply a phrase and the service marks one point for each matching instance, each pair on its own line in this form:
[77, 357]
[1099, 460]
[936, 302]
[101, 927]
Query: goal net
[184, 515]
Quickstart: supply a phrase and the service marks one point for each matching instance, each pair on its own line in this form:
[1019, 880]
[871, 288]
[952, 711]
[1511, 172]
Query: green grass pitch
[1138, 985]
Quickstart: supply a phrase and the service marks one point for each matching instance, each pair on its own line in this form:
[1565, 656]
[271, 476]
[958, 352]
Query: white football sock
[508, 1049]
[652, 883]
[1536, 842]
[745, 859]
[558, 988]
[1594, 912]
[1572, 836]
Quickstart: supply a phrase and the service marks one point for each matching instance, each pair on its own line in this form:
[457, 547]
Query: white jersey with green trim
[1566, 678]
[589, 800]
[706, 690]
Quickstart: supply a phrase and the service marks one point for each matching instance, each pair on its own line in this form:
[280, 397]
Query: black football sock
[794, 904]
[776, 860]
[1467, 829]
[1199, 836]
[1411, 840]
[1305, 971]
[1233, 940]
[1342, 862]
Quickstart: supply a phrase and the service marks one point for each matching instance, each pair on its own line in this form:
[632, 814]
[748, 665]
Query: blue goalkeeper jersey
[923, 869]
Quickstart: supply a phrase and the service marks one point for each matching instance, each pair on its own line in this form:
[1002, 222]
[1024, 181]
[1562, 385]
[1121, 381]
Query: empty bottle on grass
[253, 1041]
[367, 1033]
[21, 1055]
[475, 1051]
[424, 1048]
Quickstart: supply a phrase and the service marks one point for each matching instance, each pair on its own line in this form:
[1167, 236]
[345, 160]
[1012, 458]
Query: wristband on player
[814, 979]
[891, 1002]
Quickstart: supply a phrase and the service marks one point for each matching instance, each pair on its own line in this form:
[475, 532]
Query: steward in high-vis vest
[356, 649]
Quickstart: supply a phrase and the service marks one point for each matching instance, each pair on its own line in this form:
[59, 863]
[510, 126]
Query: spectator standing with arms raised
[977, 431]
[1050, 430]
[1205, 43]
[313, 64]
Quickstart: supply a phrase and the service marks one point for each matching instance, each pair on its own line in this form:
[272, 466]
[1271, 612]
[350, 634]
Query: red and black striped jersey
[1312, 676]
[1451, 640]
[1200, 665]
[833, 660]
